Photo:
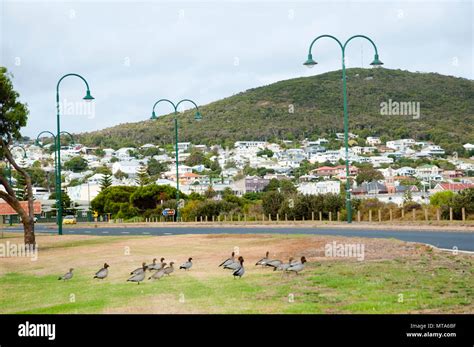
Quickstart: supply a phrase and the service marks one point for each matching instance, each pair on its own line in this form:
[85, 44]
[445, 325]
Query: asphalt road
[442, 239]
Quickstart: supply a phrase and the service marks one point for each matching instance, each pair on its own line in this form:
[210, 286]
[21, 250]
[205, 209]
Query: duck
[139, 270]
[102, 273]
[158, 274]
[155, 265]
[240, 271]
[233, 266]
[273, 263]
[169, 269]
[228, 261]
[187, 265]
[67, 275]
[284, 266]
[298, 266]
[263, 261]
[139, 276]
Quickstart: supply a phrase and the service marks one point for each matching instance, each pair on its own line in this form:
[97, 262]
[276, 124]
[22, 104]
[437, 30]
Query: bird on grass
[297, 267]
[284, 266]
[273, 263]
[187, 265]
[139, 270]
[168, 270]
[139, 276]
[67, 275]
[159, 273]
[155, 265]
[228, 261]
[240, 271]
[264, 260]
[102, 273]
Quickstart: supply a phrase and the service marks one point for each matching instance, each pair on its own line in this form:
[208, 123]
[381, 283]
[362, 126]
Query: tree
[76, 164]
[268, 152]
[368, 174]
[155, 167]
[120, 175]
[440, 199]
[196, 158]
[272, 202]
[13, 116]
[106, 181]
[115, 200]
[150, 196]
[142, 176]
[66, 203]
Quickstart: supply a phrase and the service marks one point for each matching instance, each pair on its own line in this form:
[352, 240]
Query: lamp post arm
[67, 75]
[363, 37]
[323, 36]
[45, 132]
[187, 100]
[165, 100]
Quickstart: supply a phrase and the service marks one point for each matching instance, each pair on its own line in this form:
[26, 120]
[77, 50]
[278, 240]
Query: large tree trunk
[29, 229]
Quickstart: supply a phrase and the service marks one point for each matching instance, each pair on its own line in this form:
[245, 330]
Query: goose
[139, 276]
[284, 266]
[228, 261]
[158, 274]
[232, 266]
[298, 266]
[187, 265]
[240, 271]
[67, 275]
[273, 263]
[264, 260]
[169, 269]
[102, 273]
[155, 265]
[139, 270]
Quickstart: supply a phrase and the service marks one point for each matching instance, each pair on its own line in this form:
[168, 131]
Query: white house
[323, 187]
[373, 141]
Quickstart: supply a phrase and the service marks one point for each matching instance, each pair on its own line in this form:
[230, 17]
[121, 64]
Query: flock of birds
[236, 265]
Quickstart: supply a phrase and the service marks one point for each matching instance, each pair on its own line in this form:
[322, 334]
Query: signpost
[168, 212]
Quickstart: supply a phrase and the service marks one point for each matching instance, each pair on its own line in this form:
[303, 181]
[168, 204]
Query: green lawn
[439, 283]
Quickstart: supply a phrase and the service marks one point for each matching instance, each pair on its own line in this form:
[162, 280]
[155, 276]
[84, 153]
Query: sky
[134, 53]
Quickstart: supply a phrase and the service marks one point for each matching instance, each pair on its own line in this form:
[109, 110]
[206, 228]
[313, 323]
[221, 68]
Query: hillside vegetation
[312, 107]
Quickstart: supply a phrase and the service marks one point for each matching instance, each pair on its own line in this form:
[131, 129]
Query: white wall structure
[324, 187]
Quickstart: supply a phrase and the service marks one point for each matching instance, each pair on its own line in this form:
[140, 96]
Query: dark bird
[139, 270]
[240, 271]
[102, 273]
[139, 276]
[228, 261]
[298, 266]
[264, 260]
[169, 269]
[67, 275]
[187, 265]
[159, 273]
[284, 266]
[155, 265]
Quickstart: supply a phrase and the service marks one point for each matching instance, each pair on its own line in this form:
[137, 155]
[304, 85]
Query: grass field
[394, 277]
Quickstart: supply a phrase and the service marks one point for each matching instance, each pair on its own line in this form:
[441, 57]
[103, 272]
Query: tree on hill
[142, 178]
[368, 174]
[76, 164]
[13, 116]
[105, 181]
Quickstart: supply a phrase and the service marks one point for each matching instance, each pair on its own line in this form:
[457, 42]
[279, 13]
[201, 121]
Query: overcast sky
[135, 53]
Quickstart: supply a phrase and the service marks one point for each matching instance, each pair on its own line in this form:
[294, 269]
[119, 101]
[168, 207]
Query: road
[442, 239]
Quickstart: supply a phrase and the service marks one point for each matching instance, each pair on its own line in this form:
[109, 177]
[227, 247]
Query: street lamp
[88, 97]
[9, 168]
[310, 62]
[198, 117]
[38, 143]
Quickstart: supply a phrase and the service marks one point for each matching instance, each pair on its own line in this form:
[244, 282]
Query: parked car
[69, 220]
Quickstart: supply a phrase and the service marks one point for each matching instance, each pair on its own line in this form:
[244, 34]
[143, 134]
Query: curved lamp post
[87, 97]
[376, 62]
[9, 167]
[198, 117]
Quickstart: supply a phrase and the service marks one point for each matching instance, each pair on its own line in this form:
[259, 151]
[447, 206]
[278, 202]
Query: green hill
[264, 113]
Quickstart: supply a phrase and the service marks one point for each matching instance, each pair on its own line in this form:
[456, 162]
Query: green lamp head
[88, 96]
[153, 116]
[198, 116]
[310, 62]
[376, 62]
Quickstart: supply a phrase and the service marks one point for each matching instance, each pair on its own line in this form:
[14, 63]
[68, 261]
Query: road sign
[168, 212]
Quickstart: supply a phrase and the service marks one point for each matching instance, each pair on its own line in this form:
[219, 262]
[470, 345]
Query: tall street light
[376, 62]
[56, 150]
[88, 97]
[198, 117]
